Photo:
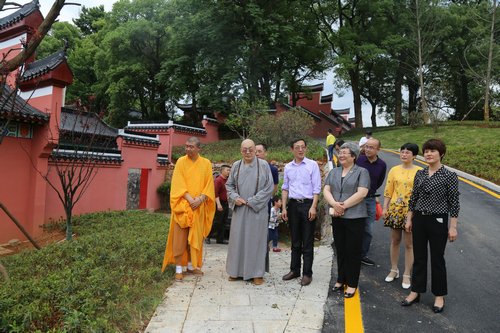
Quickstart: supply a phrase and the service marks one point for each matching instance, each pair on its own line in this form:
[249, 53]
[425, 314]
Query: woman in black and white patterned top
[435, 195]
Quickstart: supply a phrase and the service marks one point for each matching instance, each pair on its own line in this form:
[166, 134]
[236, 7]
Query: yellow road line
[462, 179]
[352, 314]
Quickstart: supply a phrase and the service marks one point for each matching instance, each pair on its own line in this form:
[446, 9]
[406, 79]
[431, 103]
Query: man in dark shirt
[261, 152]
[222, 211]
[377, 168]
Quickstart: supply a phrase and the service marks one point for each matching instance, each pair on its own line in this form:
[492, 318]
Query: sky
[70, 12]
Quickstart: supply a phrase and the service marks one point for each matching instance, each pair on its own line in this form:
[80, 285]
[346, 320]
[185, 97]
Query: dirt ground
[45, 238]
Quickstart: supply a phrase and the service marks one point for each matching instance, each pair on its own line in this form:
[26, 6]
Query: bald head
[248, 150]
[195, 140]
[193, 148]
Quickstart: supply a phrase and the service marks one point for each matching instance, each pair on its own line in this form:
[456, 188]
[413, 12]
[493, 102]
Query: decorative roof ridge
[18, 15]
[329, 117]
[309, 112]
[46, 64]
[21, 108]
[139, 138]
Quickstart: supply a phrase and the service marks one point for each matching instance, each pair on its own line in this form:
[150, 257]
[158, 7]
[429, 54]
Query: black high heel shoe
[349, 295]
[339, 288]
[408, 303]
[438, 309]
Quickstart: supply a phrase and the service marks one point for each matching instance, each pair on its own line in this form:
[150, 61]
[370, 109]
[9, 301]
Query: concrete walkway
[213, 304]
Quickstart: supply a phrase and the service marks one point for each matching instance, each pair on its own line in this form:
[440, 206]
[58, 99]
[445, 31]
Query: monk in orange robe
[192, 199]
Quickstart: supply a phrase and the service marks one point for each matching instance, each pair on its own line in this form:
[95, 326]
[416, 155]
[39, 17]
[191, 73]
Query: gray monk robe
[247, 252]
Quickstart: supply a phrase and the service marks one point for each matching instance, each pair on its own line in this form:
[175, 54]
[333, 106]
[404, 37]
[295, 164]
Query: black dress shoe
[207, 240]
[349, 295]
[339, 288]
[408, 303]
[306, 280]
[223, 242]
[290, 276]
[438, 309]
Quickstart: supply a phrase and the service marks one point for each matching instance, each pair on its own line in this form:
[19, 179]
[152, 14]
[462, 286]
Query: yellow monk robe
[193, 178]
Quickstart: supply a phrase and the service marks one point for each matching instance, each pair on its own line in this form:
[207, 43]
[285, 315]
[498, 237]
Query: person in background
[274, 221]
[364, 139]
[330, 141]
[222, 212]
[435, 196]
[398, 190]
[192, 199]
[345, 191]
[302, 184]
[377, 168]
[261, 152]
[336, 146]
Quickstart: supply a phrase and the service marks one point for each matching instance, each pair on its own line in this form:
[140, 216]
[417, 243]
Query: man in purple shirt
[377, 168]
[302, 185]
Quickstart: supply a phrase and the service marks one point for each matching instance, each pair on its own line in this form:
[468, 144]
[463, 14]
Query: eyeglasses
[299, 148]
[246, 150]
[370, 148]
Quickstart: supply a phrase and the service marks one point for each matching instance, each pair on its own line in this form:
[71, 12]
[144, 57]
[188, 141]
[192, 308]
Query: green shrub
[106, 280]
[164, 188]
[164, 191]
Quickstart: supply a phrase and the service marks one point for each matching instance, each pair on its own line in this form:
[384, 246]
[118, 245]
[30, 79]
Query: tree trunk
[358, 115]
[35, 244]
[398, 112]
[4, 272]
[488, 73]
[374, 114]
[420, 66]
[69, 234]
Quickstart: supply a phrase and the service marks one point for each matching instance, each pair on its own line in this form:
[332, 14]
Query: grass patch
[106, 280]
[228, 151]
[480, 160]
[395, 137]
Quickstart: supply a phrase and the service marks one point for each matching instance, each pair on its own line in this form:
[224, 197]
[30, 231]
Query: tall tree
[350, 29]
[486, 47]
[131, 56]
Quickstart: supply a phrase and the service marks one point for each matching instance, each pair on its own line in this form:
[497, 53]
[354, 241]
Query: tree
[84, 141]
[351, 29]
[131, 55]
[89, 18]
[61, 34]
[242, 119]
[485, 46]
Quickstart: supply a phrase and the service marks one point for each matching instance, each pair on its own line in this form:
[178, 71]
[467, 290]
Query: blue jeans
[330, 152]
[273, 235]
[371, 210]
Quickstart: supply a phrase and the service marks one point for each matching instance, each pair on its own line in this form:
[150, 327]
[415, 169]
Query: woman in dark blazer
[345, 191]
[435, 196]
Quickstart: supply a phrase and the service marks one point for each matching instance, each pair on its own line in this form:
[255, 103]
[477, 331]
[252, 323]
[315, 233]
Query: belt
[302, 200]
[373, 195]
[428, 213]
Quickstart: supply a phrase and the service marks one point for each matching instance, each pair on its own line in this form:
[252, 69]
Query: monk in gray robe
[249, 187]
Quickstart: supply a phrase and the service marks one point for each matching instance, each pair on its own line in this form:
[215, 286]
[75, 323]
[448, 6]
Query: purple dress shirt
[302, 180]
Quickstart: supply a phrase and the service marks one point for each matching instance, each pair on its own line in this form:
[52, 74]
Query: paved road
[473, 262]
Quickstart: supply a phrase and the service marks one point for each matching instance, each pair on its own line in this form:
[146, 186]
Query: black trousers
[432, 230]
[302, 232]
[348, 237]
[220, 219]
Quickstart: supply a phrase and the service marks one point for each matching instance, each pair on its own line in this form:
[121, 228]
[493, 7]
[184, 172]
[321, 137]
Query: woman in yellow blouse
[397, 192]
